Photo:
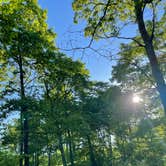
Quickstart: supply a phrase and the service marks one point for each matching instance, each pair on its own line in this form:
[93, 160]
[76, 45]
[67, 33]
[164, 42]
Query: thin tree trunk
[111, 152]
[70, 149]
[37, 159]
[91, 153]
[62, 151]
[24, 145]
[148, 41]
[33, 160]
[49, 157]
[124, 157]
[21, 140]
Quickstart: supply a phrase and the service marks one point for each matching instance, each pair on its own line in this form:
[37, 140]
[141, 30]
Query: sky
[60, 18]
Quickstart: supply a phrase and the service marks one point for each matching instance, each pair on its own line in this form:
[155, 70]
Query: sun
[136, 99]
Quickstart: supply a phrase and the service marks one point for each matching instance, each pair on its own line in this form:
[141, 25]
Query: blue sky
[60, 18]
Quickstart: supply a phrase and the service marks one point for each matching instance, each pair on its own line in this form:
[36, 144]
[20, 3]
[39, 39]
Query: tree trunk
[26, 147]
[49, 157]
[91, 153]
[37, 159]
[148, 41]
[62, 151]
[24, 144]
[111, 152]
[70, 149]
[21, 139]
[33, 160]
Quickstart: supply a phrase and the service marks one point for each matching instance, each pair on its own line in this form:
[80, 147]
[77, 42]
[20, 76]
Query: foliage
[65, 118]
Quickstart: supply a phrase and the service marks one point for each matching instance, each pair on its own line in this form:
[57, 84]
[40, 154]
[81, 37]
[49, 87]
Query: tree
[25, 39]
[104, 20]
[66, 119]
[63, 80]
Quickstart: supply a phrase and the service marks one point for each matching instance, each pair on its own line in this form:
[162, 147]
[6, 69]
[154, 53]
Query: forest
[53, 114]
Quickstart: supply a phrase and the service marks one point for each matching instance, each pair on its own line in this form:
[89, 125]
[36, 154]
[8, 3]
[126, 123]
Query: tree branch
[125, 38]
[153, 22]
[99, 22]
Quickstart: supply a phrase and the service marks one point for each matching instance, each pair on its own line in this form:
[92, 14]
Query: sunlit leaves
[102, 16]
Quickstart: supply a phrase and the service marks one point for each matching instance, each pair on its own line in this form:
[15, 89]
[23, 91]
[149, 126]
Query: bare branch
[125, 38]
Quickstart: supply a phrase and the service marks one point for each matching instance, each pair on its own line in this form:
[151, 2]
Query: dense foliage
[52, 114]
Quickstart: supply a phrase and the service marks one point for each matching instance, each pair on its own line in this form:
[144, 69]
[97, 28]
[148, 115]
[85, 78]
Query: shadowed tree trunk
[91, 152]
[49, 156]
[37, 159]
[70, 149]
[62, 150]
[21, 139]
[26, 135]
[148, 41]
[111, 152]
[24, 118]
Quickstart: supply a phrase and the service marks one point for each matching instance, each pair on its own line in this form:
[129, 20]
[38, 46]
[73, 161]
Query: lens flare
[136, 99]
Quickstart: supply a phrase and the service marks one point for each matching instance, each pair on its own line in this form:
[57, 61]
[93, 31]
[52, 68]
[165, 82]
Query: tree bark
[148, 41]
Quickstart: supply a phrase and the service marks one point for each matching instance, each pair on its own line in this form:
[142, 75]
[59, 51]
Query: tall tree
[24, 40]
[105, 19]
